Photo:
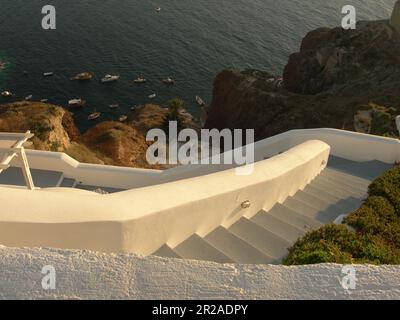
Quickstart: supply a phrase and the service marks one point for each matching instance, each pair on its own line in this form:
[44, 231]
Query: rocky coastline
[346, 79]
[334, 77]
[108, 142]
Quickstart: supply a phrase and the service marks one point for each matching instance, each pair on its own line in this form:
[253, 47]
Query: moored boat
[168, 80]
[135, 107]
[7, 94]
[109, 78]
[44, 100]
[200, 101]
[48, 74]
[94, 116]
[123, 118]
[152, 96]
[140, 80]
[27, 98]
[114, 106]
[76, 103]
[83, 76]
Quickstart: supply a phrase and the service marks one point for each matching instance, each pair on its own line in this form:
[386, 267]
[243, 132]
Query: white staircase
[265, 237]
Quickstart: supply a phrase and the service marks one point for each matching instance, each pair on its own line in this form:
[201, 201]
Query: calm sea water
[190, 40]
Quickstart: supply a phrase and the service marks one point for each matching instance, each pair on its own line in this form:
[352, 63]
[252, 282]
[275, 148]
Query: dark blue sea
[190, 40]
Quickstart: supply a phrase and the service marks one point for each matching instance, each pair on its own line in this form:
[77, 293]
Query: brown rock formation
[335, 72]
[109, 142]
[152, 116]
[120, 143]
[53, 126]
[333, 57]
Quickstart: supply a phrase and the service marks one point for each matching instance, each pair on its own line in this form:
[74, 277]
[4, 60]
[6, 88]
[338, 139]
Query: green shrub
[175, 106]
[323, 245]
[41, 129]
[388, 186]
[55, 146]
[376, 235]
[337, 244]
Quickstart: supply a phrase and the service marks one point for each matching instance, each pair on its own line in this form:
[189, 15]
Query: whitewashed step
[68, 183]
[337, 161]
[41, 178]
[166, 252]
[260, 238]
[196, 248]
[369, 170]
[343, 206]
[285, 230]
[349, 179]
[345, 202]
[294, 218]
[324, 216]
[335, 188]
[354, 187]
[310, 199]
[327, 211]
[235, 248]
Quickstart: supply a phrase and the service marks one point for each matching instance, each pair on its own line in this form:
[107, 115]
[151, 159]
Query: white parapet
[168, 206]
[346, 144]
[143, 219]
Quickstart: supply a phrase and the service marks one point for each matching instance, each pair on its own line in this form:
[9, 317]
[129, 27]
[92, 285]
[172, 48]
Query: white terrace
[301, 180]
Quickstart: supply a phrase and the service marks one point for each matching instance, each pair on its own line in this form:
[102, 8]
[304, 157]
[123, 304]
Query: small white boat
[109, 78]
[27, 98]
[158, 9]
[168, 81]
[44, 100]
[114, 106]
[152, 96]
[200, 101]
[6, 94]
[76, 103]
[140, 80]
[135, 107]
[94, 116]
[279, 82]
[123, 118]
[48, 74]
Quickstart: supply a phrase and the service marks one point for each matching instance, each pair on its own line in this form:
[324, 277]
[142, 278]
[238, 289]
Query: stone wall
[91, 275]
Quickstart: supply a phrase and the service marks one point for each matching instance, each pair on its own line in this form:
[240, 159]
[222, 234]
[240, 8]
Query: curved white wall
[168, 206]
[349, 145]
[142, 220]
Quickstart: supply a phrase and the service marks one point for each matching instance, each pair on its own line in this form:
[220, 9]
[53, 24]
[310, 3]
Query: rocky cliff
[335, 74]
[109, 142]
[53, 126]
